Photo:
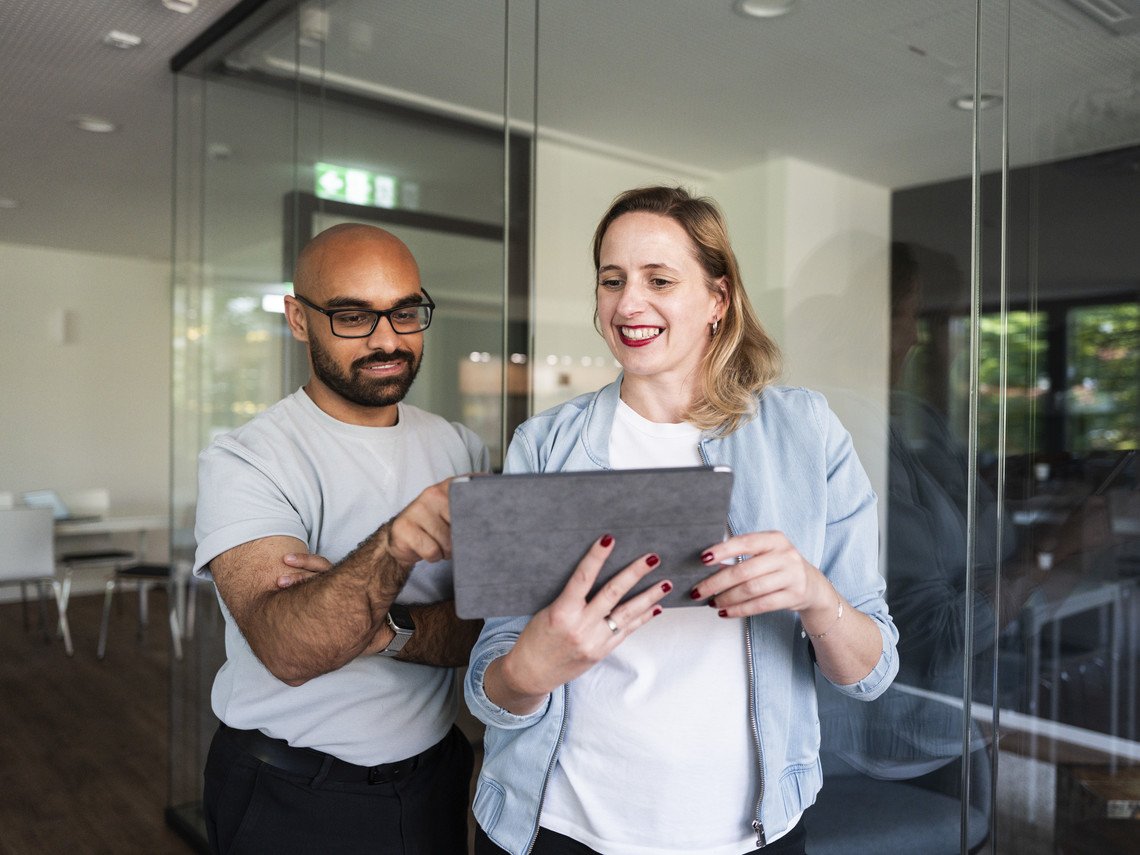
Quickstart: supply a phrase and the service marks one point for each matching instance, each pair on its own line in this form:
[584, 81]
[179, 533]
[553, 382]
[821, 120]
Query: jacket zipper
[757, 825]
[550, 768]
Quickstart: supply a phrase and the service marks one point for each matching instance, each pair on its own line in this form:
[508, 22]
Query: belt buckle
[377, 775]
[386, 773]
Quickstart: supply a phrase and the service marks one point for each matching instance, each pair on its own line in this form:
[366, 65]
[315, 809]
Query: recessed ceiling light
[7, 204]
[985, 100]
[121, 40]
[94, 124]
[764, 8]
[183, 6]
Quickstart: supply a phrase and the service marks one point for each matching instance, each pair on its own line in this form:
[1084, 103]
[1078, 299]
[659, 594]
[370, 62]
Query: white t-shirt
[294, 470]
[658, 744]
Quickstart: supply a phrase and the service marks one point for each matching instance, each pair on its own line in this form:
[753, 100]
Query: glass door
[293, 119]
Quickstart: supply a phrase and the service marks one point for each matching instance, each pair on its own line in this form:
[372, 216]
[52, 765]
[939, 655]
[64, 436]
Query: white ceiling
[863, 88]
[96, 192]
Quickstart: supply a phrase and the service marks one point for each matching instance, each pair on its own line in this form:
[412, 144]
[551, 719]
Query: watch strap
[399, 620]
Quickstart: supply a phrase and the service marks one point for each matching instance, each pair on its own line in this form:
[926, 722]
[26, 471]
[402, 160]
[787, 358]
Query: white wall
[85, 369]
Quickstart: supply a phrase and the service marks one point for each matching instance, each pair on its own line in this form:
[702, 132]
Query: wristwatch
[400, 621]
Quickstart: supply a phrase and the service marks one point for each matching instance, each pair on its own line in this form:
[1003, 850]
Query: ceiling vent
[1119, 16]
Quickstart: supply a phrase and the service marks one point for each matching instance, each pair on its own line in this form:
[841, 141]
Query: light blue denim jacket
[795, 471]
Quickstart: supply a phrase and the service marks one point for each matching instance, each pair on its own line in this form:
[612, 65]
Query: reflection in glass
[1102, 404]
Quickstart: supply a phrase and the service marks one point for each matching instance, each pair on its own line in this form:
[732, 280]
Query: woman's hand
[305, 565]
[774, 576]
[572, 634]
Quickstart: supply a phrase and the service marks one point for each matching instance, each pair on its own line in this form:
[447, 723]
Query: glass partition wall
[934, 207]
[282, 134]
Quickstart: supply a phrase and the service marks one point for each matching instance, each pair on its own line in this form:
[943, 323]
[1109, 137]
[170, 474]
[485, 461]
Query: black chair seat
[158, 572]
[97, 555]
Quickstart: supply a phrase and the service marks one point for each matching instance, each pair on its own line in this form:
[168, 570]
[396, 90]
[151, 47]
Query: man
[337, 697]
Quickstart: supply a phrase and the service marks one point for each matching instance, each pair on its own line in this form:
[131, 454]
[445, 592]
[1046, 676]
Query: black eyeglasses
[360, 323]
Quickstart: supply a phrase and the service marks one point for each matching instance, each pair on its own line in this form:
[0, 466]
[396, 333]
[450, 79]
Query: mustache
[385, 356]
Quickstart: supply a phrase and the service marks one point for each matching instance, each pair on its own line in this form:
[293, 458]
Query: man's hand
[422, 530]
[306, 564]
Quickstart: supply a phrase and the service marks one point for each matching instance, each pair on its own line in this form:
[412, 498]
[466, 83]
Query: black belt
[312, 763]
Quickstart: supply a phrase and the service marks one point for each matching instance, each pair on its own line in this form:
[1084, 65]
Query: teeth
[640, 333]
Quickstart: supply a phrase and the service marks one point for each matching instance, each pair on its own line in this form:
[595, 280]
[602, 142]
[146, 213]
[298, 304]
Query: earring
[715, 324]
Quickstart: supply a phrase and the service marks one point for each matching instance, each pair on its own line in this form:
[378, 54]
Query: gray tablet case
[517, 538]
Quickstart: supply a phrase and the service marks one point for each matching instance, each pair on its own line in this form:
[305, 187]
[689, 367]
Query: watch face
[400, 618]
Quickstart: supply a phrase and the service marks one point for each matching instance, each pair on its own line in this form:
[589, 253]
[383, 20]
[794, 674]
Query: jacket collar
[600, 421]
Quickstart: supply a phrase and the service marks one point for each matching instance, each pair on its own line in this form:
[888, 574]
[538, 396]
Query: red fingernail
[607, 539]
[712, 602]
[656, 611]
[666, 587]
[723, 613]
[652, 560]
[694, 594]
[706, 557]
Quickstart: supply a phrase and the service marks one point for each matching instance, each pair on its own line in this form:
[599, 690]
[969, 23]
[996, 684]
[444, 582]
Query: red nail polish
[694, 594]
[712, 602]
[607, 539]
[666, 587]
[723, 613]
[656, 611]
[652, 560]
[706, 557]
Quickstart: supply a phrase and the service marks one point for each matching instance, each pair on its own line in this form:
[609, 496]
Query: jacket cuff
[482, 707]
[881, 676]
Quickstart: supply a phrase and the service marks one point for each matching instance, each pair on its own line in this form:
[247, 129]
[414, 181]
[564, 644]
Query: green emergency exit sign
[355, 186]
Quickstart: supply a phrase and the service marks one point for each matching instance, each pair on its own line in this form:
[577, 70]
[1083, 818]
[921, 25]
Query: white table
[112, 525]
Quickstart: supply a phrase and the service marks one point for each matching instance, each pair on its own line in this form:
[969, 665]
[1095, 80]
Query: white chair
[144, 576]
[88, 502]
[27, 556]
[92, 502]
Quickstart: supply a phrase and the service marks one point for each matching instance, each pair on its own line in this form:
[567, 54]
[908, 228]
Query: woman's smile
[638, 336]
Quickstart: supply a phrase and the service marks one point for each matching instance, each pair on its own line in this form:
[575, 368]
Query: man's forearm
[441, 638]
[307, 630]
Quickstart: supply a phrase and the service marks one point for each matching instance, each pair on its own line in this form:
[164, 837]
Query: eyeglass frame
[376, 313]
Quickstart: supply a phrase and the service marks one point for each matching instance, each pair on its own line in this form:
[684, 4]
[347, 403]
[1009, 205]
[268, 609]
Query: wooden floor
[84, 743]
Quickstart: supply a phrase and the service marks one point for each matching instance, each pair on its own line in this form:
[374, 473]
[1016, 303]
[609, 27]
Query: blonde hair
[741, 358]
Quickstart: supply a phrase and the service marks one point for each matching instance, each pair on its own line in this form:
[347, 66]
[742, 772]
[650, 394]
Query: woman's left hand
[774, 576]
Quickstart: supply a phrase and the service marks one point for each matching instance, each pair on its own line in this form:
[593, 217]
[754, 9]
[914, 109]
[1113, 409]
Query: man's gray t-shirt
[294, 470]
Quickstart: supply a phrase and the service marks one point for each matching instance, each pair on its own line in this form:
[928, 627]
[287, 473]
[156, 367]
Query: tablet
[516, 539]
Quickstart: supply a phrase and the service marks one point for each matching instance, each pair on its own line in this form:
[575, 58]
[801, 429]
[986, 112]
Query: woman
[625, 729]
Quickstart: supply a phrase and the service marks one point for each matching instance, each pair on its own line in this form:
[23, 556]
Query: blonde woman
[624, 729]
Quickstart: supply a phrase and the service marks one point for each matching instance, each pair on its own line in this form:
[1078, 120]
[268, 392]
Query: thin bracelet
[838, 617]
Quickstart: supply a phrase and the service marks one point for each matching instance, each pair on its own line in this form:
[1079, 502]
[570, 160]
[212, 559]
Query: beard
[365, 391]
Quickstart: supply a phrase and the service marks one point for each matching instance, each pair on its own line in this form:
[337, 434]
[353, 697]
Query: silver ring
[614, 628]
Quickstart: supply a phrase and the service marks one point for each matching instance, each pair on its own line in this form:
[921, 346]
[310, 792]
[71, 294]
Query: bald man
[337, 697]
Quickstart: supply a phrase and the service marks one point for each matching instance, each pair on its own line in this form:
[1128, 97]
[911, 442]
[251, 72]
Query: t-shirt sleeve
[239, 500]
[477, 451]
